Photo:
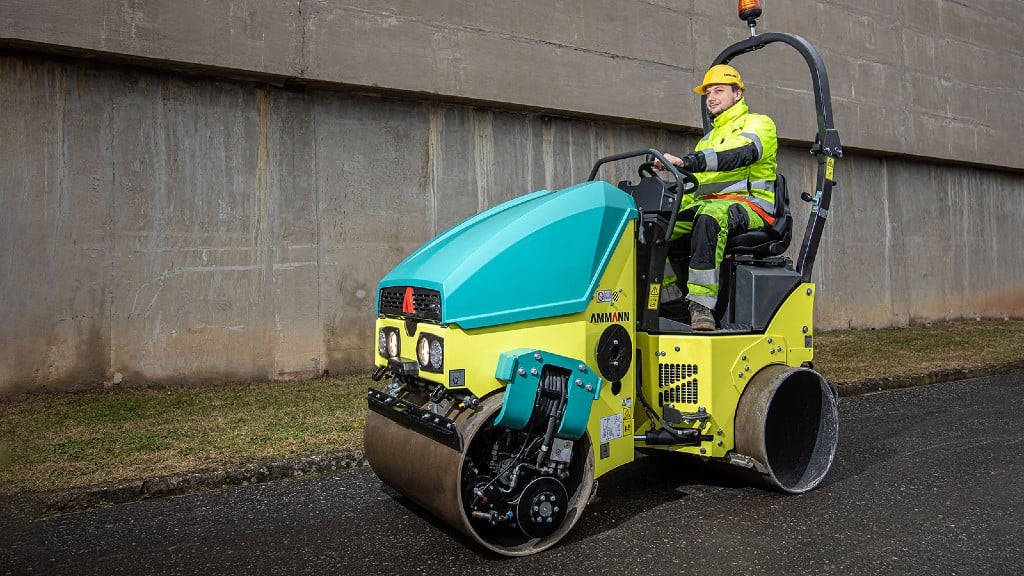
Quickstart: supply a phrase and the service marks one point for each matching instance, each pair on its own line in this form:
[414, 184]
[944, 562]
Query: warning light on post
[749, 11]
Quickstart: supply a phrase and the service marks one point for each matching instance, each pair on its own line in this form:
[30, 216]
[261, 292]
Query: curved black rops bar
[826, 142]
[677, 197]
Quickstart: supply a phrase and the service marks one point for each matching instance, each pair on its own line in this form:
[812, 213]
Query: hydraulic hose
[559, 382]
[667, 434]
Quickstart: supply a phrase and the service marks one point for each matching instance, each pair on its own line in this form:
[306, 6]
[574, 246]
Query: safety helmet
[720, 74]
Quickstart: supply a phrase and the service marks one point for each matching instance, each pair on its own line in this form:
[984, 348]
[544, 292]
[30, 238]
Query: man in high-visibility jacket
[735, 164]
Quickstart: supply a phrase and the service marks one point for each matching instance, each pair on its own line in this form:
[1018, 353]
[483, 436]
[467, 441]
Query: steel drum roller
[511, 508]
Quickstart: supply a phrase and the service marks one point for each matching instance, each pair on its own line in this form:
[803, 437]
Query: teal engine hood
[535, 256]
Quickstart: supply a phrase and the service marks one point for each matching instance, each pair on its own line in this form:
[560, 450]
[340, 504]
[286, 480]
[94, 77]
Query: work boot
[701, 317]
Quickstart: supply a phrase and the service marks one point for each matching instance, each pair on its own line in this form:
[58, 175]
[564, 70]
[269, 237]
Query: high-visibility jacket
[736, 160]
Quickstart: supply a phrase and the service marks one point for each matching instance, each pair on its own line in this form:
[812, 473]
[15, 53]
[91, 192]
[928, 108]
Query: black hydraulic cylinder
[668, 437]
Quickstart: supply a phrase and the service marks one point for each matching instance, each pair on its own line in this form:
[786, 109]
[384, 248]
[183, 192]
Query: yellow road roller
[524, 353]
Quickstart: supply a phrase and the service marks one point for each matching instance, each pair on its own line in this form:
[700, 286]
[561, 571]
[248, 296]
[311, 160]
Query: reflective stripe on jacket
[735, 128]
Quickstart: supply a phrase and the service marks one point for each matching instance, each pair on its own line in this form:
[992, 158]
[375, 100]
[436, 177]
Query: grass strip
[66, 440]
[851, 355]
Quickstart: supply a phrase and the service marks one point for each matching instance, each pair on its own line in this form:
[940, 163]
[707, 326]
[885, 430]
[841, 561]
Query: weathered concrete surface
[933, 78]
[912, 242]
[159, 227]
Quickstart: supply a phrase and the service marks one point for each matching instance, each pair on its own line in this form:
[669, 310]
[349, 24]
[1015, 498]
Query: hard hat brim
[703, 88]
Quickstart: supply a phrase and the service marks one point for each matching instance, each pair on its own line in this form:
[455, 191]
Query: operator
[735, 166]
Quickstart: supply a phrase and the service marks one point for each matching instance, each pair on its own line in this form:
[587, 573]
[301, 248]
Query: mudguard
[523, 368]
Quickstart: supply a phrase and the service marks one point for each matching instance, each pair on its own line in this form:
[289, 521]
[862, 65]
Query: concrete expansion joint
[441, 27]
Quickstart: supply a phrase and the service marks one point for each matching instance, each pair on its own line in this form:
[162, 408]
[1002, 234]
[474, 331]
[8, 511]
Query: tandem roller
[525, 352]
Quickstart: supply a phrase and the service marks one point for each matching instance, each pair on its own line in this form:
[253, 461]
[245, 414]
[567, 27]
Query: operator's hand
[675, 160]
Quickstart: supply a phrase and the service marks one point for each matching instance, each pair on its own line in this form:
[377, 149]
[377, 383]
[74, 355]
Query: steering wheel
[647, 170]
[689, 181]
[670, 193]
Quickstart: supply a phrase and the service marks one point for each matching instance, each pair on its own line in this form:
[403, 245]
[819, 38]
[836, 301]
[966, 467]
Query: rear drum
[787, 421]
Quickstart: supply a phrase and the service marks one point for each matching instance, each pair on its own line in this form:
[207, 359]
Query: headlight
[389, 343]
[423, 351]
[393, 346]
[430, 352]
[436, 355]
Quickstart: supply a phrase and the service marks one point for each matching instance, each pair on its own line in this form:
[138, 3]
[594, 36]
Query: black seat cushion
[772, 240]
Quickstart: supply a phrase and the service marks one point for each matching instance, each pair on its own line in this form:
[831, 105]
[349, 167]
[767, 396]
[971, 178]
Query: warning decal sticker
[611, 427]
[655, 296]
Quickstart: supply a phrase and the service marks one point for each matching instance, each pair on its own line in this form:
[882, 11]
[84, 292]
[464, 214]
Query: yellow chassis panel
[475, 353]
[706, 373]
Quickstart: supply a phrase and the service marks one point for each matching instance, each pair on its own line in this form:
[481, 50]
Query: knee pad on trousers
[739, 221]
[702, 242]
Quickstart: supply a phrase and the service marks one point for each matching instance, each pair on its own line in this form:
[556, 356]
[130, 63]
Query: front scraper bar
[417, 419]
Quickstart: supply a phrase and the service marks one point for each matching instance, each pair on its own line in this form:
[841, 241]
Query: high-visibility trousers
[707, 225]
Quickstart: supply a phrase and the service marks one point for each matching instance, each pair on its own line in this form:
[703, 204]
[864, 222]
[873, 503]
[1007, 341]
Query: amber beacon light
[750, 11]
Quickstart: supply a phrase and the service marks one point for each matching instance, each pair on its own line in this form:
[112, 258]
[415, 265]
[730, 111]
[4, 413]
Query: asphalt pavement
[927, 480]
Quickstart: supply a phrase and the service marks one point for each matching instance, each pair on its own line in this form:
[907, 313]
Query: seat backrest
[783, 218]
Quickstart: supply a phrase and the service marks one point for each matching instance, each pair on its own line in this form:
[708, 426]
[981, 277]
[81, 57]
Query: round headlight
[436, 355]
[382, 343]
[423, 351]
[393, 344]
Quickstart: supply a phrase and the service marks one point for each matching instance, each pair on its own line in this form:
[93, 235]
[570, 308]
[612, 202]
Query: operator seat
[772, 240]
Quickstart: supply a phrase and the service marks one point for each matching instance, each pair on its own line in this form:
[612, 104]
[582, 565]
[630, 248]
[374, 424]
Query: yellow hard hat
[720, 74]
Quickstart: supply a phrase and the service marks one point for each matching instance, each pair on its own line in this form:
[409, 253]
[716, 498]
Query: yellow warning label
[652, 302]
[627, 428]
[830, 164]
[627, 413]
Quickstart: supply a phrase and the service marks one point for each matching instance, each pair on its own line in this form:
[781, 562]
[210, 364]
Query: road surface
[927, 480]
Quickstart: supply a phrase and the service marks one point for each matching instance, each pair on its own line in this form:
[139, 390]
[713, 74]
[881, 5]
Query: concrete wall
[231, 218]
[931, 78]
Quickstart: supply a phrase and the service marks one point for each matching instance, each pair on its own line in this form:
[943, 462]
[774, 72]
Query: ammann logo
[609, 317]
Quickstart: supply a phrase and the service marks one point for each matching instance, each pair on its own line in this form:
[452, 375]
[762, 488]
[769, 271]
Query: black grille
[426, 304]
[675, 388]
